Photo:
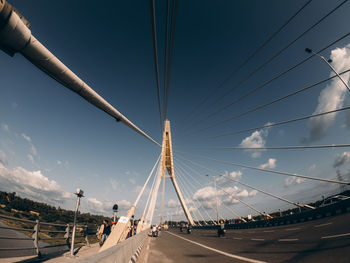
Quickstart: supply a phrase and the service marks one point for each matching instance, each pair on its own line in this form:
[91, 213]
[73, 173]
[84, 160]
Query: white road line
[269, 231]
[238, 238]
[258, 239]
[340, 235]
[326, 224]
[219, 251]
[291, 229]
[288, 239]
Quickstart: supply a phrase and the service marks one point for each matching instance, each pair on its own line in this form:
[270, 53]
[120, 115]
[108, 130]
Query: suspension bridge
[207, 194]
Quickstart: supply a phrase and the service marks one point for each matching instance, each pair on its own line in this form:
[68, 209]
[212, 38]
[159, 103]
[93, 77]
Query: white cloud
[33, 150]
[312, 168]
[341, 159]
[26, 137]
[173, 203]
[36, 186]
[32, 184]
[227, 195]
[292, 180]
[113, 183]
[271, 163]
[14, 105]
[233, 175]
[347, 117]
[256, 140]
[132, 181]
[32, 147]
[96, 206]
[331, 97]
[3, 158]
[59, 162]
[5, 127]
[30, 158]
[253, 193]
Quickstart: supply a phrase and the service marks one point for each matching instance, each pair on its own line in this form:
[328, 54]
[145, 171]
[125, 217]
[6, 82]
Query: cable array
[239, 67]
[266, 63]
[269, 103]
[155, 56]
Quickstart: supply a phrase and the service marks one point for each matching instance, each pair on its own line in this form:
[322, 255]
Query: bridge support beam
[167, 164]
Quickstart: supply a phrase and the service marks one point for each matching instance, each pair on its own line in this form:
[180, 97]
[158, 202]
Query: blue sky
[52, 141]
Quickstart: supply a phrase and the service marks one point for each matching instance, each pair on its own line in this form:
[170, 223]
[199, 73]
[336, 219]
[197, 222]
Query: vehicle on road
[221, 232]
[189, 229]
[154, 231]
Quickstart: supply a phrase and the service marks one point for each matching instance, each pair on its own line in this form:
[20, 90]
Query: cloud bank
[34, 185]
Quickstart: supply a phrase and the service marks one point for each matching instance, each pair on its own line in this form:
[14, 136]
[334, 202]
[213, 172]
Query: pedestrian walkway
[80, 253]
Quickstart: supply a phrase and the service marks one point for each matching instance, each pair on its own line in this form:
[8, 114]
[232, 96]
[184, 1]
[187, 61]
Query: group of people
[105, 230]
[132, 231]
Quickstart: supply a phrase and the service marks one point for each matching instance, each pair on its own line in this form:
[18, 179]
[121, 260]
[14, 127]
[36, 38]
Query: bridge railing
[320, 212]
[46, 235]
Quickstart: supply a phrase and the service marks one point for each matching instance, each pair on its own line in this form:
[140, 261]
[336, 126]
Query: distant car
[334, 199]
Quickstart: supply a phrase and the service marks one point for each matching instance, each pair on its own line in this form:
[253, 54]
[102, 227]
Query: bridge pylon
[119, 232]
[167, 170]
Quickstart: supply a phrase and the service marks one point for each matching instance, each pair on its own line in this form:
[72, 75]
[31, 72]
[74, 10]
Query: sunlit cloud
[3, 158]
[256, 140]
[5, 127]
[292, 180]
[331, 97]
[271, 163]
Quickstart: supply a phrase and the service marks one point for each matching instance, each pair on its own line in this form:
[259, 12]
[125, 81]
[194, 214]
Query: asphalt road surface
[12, 244]
[324, 240]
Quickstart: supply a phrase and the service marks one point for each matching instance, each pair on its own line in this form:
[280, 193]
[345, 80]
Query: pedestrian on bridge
[221, 229]
[104, 232]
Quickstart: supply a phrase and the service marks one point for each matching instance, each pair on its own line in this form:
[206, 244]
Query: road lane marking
[288, 239]
[257, 239]
[269, 231]
[326, 224]
[219, 251]
[238, 238]
[340, 235]
[291, 229]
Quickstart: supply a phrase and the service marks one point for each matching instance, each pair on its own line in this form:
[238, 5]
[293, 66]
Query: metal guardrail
[87, 232]
[320, 212]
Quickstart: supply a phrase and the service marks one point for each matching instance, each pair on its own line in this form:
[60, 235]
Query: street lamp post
[79, 193]
[115, 210]
[308, 50]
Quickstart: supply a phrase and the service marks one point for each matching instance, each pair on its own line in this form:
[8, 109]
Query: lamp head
[79, 192]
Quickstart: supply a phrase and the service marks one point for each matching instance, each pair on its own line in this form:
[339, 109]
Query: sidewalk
[81, 252]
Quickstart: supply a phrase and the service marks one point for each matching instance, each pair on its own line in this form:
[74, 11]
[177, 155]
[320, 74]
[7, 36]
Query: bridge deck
[323, 240]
